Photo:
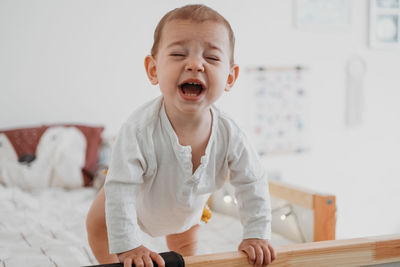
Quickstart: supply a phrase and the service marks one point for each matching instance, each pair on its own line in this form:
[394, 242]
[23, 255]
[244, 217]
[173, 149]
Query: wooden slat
[292, 194]
[324, 217]
[386, 249]
[344, 253]
[232, 259]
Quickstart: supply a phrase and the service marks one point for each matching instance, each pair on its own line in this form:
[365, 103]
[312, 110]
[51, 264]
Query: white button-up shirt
[150, 186]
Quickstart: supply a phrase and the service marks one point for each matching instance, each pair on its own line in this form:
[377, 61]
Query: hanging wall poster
[277, 109]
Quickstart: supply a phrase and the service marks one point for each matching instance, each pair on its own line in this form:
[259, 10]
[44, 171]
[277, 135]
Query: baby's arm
[122, 186]
[254, 207]
[259, 251]
[140, 256]
[248, 177]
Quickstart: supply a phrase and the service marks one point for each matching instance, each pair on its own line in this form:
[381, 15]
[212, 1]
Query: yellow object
[206, 214]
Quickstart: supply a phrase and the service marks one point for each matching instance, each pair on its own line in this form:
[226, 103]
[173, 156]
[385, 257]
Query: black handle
[171, 258]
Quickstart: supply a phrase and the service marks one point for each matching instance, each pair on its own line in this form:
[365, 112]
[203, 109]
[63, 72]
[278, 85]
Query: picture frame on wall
[384, 28]
[322, 15]
[277, 109]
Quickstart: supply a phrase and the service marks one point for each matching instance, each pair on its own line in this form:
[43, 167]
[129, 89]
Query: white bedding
[44, 228]
[60, 156]
[47, 228]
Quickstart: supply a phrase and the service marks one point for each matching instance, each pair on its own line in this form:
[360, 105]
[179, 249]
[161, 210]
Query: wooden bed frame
[322, 205]
[343, 253]
[330, 253]
[327, 252]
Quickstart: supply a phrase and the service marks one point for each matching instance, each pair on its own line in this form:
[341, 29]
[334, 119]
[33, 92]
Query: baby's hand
[141, 257]
[259, 251]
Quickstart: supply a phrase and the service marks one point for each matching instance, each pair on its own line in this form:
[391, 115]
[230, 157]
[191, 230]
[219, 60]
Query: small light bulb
[284, 216]
[227, 199]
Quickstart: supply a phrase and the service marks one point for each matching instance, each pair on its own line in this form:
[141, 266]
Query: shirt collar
[174, 138]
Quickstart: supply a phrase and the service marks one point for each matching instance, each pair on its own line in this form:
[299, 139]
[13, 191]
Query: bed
[42, 215]
[47, 228]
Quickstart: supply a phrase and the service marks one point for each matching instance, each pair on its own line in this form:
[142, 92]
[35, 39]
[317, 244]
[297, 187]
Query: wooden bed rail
[324, 207]
[344, 253]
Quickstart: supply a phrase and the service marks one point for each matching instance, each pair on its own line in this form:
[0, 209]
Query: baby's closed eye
[177, 55]
[212, 58]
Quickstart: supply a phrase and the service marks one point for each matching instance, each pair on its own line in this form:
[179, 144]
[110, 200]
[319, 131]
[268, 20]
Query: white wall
[82, 61]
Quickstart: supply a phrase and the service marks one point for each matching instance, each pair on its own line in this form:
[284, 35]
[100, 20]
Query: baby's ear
[151, 69]
[233, 75]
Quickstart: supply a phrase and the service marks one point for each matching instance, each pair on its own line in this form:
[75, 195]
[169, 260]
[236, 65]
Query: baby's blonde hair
[195, 13]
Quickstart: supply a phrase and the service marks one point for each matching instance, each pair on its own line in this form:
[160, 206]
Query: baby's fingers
[267, 256]
[250, 253]
[158, 259]
[272, 251]
[147, 261]
[128, 262]
[259, 256]
[139, 262]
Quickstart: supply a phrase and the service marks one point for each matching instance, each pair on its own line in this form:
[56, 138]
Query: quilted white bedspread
[47, 228]
[44, 228]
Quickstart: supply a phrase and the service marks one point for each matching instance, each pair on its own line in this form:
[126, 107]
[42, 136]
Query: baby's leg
[184, 243]
[97, 230]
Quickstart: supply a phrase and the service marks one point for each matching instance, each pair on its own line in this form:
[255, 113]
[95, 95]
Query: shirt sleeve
[123, 181]
[248, 177]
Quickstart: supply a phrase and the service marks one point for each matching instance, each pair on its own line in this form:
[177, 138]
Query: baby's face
[192, 65]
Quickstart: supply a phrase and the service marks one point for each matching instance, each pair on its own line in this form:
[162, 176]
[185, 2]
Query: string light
[231, 200]
[227, 199]
[292, 213]
[284, 216]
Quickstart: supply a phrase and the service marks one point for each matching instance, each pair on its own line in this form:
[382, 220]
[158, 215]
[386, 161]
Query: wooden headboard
[323, 206]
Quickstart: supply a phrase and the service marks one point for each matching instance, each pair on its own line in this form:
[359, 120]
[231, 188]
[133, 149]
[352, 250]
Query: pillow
[93, 139]
[26, 140]
[57, 162]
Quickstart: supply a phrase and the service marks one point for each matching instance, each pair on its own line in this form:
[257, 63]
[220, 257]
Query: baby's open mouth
[191, 89]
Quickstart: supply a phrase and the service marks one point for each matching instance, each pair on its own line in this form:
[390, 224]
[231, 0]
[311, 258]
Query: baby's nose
[194, 64]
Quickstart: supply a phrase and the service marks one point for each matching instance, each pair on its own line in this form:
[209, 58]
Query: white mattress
[47, 228]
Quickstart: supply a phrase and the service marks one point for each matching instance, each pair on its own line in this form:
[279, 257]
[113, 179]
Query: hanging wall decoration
[323, 15]
[355, 75]
[384, 28]
[278, 109]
